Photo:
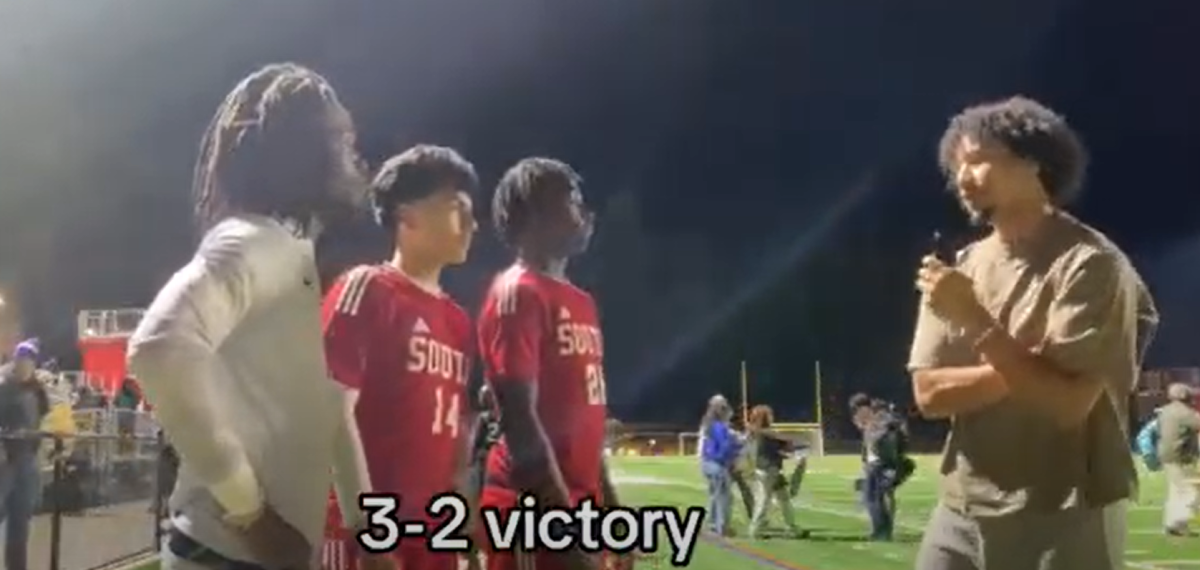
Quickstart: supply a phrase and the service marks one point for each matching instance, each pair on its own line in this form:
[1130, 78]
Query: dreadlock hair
[1030, 131]
[859, 400]
[271, 149]
[522, 187]
[417, 173]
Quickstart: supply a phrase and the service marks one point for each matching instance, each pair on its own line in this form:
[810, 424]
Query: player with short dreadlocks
[541, 347]
[1029, 342]
[230, 351]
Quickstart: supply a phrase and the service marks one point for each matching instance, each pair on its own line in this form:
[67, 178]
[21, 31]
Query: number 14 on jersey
[445, 412]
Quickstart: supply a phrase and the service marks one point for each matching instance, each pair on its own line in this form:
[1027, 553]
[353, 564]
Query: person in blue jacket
[717, 455]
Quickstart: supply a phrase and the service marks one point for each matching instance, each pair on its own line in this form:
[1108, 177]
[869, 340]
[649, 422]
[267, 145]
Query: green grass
[829, 507]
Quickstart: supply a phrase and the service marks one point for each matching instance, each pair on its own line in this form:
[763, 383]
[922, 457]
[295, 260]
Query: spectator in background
[770, 449]
[23, 404]
[717, 455]
[886, 466]
[59, 421]
[128, 397]
[94, 398]
[126, 403]
[1179, 451]
[741, 473]
[860, 411]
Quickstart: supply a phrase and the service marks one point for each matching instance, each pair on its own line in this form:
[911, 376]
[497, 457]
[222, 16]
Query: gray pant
[1183, 495]
[20, 492]
[770, 487]
[1067, 540]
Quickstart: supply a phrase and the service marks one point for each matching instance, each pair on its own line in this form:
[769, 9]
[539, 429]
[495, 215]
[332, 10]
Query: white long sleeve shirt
[230, 354]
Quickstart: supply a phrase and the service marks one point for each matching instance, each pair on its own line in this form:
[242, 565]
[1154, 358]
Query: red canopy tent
[104, 362]
[103, 340]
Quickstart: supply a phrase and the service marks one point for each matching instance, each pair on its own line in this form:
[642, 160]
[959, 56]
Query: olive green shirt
[1070, 294]
[1178, 434]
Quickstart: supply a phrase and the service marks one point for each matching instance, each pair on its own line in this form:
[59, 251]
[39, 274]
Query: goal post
[689, 443]
[810, 434]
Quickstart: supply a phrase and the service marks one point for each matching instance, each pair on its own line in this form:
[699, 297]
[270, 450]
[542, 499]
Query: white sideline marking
[624, 479]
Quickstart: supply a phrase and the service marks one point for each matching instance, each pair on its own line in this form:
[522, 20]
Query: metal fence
[99, 502]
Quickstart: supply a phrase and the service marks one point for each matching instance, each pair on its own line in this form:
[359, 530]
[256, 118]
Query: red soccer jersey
[407, 351]
[534, 328]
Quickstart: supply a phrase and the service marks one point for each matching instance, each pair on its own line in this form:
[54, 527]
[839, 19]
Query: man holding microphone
[1028, 343]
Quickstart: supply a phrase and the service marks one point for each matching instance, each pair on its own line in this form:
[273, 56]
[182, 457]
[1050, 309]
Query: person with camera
[886, 464]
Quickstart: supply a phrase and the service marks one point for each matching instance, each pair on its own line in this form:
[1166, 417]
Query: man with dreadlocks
[230, 351]
[1029, 342]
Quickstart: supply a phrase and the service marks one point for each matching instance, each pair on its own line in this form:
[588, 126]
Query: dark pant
[797, 478]
[738, 478]
[20, 487]
[1072, 539]
[184, 552]
[168, 473]
[879, 497]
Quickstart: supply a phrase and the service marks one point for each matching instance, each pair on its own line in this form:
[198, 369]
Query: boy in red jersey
[402, 347]
[540, 341]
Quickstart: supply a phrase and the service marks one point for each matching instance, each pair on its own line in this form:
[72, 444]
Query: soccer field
[828, 506]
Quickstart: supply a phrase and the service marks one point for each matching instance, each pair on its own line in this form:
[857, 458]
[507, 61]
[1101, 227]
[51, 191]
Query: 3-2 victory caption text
[530, 528]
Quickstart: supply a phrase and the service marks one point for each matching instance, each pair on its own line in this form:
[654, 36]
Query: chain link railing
[98, 493]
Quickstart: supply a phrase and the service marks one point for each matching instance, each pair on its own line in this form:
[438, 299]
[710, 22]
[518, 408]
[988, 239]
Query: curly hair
[761, 418]
[522, 186]
[272, 149]
[415, 174]
[1030, 131]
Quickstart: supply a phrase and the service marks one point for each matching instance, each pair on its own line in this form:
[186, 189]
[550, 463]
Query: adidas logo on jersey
[420, 327]
[564, 314]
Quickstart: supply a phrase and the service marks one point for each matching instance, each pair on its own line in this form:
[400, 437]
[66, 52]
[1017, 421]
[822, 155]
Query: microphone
[941, 248]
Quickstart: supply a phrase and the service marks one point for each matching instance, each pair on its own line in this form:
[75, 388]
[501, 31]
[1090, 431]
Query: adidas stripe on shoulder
[354, 289]
[508, 286]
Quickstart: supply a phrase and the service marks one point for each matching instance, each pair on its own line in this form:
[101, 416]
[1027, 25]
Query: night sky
[763, 170]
